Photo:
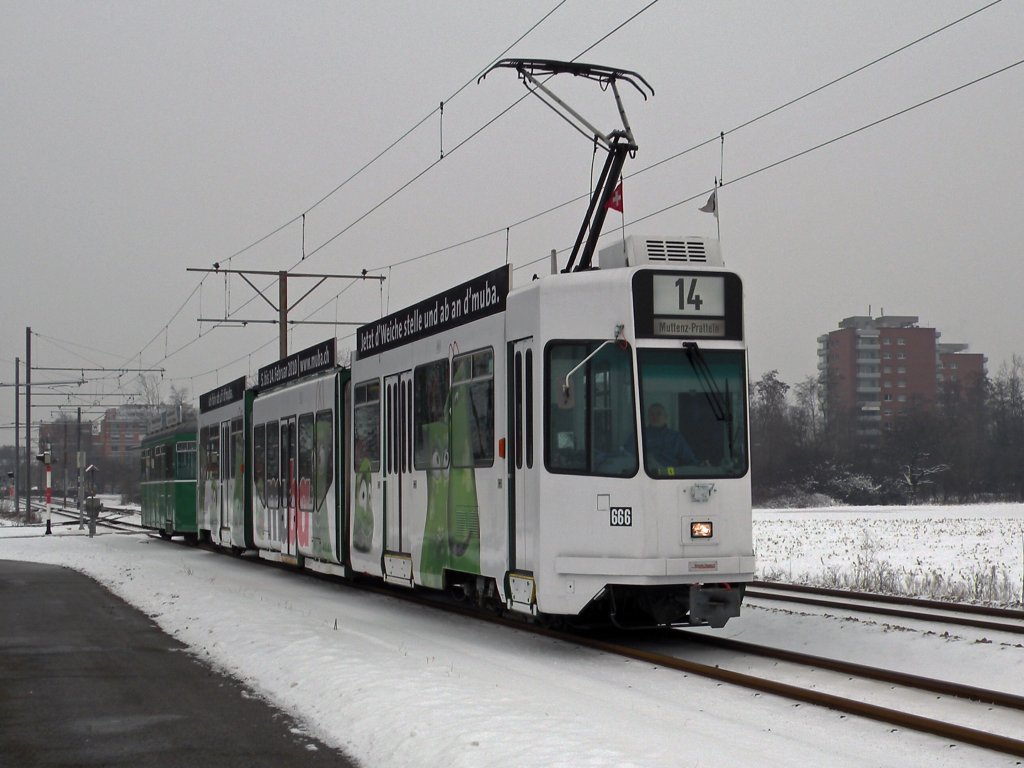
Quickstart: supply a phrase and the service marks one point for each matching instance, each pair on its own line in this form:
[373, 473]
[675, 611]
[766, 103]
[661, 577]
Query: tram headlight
[702, 529]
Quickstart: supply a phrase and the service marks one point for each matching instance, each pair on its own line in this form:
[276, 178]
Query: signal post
[47, 458]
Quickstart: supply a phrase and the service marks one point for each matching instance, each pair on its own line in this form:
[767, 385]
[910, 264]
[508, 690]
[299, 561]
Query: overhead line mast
[283, 306]
[618, 143]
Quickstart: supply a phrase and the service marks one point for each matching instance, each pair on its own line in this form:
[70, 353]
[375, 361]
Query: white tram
[502, 442]
[296, 496]
[574, 448]
[222, 495]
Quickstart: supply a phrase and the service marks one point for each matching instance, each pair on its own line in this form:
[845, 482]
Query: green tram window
[186, 460]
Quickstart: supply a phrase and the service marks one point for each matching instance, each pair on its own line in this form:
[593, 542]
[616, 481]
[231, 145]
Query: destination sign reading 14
[688, 305]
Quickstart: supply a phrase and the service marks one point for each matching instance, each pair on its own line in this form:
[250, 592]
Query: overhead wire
[807, 151]
[350, 178]
[411, 181]
[448, 153]
[693, 148]
[576, 199]
[403, 136]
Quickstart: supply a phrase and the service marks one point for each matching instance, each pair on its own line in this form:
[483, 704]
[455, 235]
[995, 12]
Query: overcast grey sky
[141, 138]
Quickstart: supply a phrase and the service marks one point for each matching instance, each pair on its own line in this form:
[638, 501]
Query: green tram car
[168, 481]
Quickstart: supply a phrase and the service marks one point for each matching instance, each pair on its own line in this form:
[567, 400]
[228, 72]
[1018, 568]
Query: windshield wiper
[719, 404]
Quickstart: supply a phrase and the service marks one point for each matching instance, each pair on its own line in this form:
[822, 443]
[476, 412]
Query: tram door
[288, 507]
[397, 464]
[523, 511]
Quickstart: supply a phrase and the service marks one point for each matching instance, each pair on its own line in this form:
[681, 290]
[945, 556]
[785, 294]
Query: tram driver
[664, 446]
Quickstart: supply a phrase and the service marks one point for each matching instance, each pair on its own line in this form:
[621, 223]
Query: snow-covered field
[969, 553]
[396, 685]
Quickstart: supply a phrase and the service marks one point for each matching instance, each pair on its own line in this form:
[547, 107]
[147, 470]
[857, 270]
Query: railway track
[899, 699]
[935, 611]
[888, 696]
[979, 706]
[111, 520]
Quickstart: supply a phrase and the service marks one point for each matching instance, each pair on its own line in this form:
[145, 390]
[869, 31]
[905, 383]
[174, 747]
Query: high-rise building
[121, 431]
[874, 368]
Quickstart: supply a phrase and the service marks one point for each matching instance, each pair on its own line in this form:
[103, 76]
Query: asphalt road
[88, 680]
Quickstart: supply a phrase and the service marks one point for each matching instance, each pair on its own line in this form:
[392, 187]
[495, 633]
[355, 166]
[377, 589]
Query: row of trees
[967, 446]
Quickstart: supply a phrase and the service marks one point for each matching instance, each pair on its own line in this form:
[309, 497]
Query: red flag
[615, 201]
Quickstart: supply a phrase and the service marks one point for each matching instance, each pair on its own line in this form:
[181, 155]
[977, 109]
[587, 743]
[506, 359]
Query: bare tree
[920, 471]
[810, 419]
[150, 389]
[179, 396]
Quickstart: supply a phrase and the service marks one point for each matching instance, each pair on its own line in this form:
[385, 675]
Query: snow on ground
[399, 685]
[968, 553]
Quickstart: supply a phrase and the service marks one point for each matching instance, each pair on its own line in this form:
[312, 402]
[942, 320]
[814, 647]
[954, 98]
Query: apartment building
[874, 368]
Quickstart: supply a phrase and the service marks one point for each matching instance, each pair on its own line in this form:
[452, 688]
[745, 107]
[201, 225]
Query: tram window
[273, 461]
[304, 482]
[389, 425]
[401, 464]
[472, 410]
[169, 457]
[144, 464]
[259, 458]
[186, 459]
[700, 427]
[288, 461]
[518, 412]
[224, 458]
[528, 397]
[237, 449]
[430, 415]
[408, 421]
[209, 446]
[201, 456]
[591, 427]
[324, 458]
[366, 427]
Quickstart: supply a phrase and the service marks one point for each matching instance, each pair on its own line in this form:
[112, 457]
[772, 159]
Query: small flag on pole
[711, 206]
[615, 201]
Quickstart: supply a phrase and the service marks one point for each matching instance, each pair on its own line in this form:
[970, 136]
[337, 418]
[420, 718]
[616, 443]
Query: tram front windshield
[694, 412]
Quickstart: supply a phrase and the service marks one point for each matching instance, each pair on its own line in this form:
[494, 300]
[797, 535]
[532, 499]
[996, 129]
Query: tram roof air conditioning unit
[648, 249]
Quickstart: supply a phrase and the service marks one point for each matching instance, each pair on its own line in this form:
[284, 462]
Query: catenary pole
[28, 422]
[78, 465]
[282, 307]
[282, 313]
[17, 436]
[64, 461]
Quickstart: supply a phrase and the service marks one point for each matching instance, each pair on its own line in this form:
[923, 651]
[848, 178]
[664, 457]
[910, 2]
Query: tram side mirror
[567, 395]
